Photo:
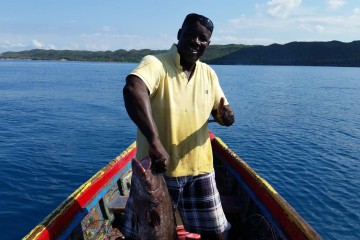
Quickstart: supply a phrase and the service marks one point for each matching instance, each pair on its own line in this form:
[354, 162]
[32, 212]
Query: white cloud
[10, 45]
[37, 44]
[316, 28]
[342, 28]
[282, 8]
[336, 21]
[357, 10]
[335, 4]
[231, 39]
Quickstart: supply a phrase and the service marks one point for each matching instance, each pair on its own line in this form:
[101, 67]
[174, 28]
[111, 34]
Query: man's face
[193, 40]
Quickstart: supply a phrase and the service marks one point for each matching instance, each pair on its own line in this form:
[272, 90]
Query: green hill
[332, 53]
[72, 55]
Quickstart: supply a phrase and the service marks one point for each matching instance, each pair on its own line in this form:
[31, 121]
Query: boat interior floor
[233, 211]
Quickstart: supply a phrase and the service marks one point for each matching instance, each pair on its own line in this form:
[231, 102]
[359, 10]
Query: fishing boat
[252, 206]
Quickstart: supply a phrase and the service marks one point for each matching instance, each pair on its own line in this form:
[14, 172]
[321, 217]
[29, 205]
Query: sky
[109, 25]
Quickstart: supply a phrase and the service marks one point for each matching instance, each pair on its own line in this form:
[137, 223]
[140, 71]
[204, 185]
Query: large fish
[153, 209]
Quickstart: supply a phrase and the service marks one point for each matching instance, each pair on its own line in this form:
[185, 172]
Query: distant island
[332, 53]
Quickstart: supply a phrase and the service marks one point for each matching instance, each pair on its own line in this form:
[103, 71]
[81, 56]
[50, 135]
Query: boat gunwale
[74, 206]
[286, 217]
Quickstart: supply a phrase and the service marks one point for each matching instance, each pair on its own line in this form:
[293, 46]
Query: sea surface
[298, 127]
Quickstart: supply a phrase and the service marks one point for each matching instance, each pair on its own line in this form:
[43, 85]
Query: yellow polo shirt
[180, 109]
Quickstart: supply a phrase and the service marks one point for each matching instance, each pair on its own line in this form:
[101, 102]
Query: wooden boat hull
[254, 209]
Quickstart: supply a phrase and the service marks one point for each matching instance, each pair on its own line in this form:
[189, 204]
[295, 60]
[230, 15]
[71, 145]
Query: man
[170, 97]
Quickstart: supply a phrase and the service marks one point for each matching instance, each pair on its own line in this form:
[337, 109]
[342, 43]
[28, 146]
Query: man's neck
[188, 70]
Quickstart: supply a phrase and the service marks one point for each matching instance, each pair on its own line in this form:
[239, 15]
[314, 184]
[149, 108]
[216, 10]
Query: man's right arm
[137, 104]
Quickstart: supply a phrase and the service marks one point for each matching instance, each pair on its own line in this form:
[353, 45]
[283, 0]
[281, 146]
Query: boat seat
[117, 205]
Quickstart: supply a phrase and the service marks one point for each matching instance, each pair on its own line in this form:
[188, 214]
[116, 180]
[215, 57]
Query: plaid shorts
[197, 200]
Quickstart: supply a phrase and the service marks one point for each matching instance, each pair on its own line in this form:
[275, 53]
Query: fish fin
[153, 218]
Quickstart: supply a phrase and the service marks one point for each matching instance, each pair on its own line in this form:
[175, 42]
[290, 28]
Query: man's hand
[159, 157]
[224, 114]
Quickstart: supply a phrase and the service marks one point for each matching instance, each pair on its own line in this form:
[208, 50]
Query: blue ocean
[298, 127]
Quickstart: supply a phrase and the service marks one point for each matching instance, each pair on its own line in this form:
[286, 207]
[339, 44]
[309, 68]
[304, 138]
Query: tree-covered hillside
[332, 53]
[72, 55]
